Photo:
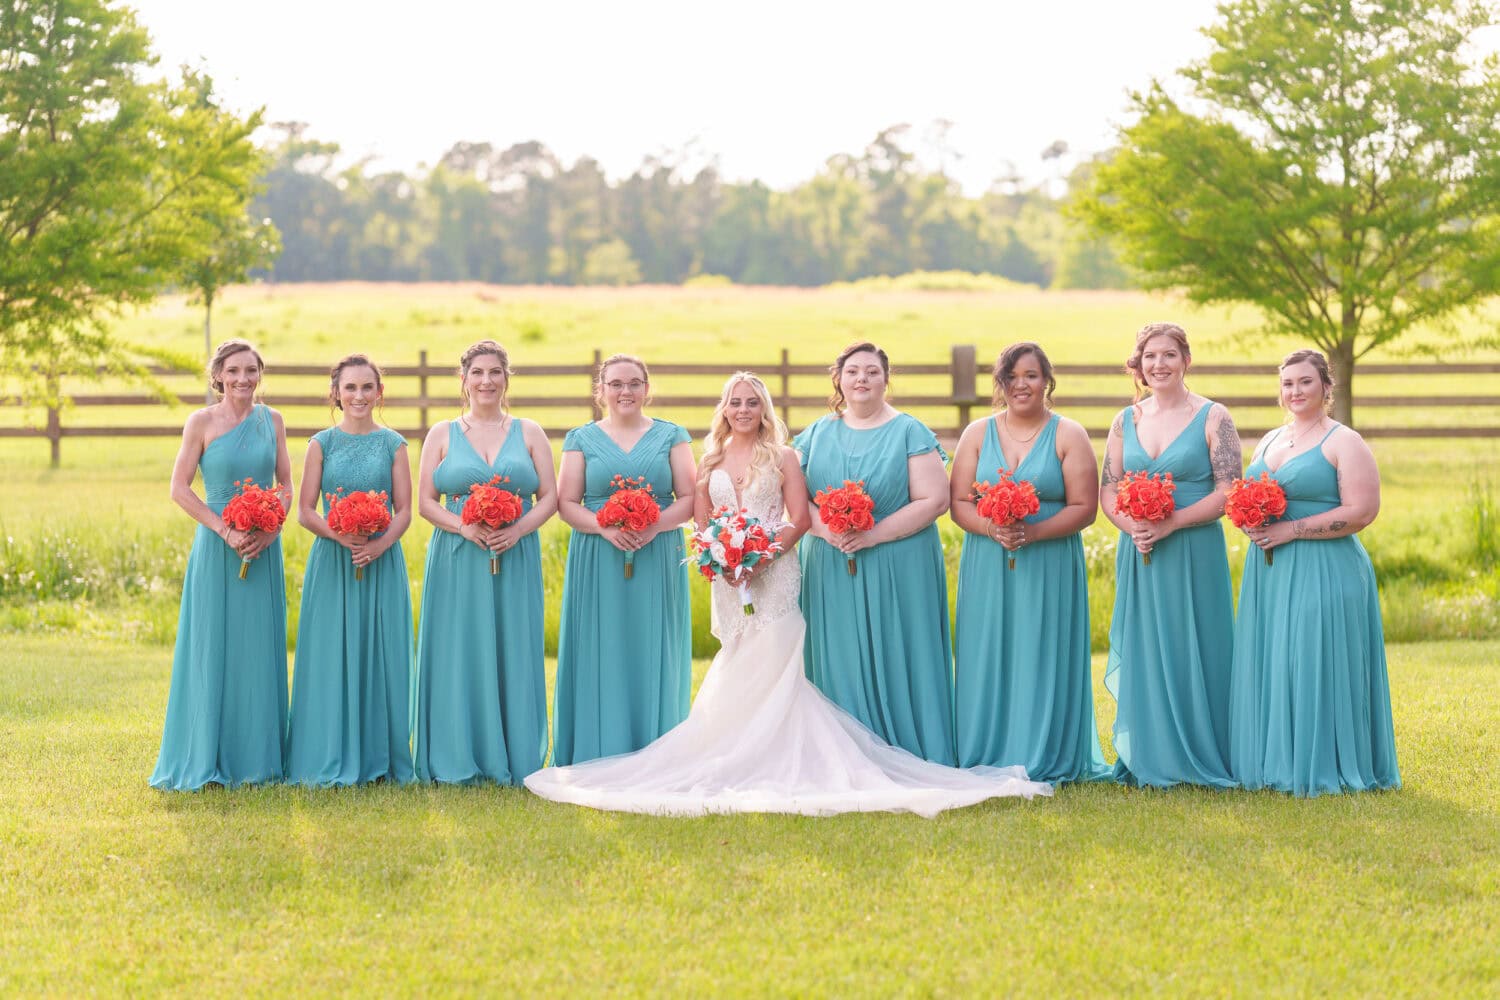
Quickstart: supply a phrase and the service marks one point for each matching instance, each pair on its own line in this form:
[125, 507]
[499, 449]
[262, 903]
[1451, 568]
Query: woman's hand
[1148, 534]
[620, 538]
[500, 539]
[367, 550]
[1012, 536]
[1268, 536]
[474, 533]
[350, 542]
[851, 542]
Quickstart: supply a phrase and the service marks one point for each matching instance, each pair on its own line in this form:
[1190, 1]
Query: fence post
[594, 403]
[786, 388]
[422, 391]
[54, 417]
[965, 370]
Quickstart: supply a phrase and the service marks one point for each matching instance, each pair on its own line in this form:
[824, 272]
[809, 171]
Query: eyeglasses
[634, 385]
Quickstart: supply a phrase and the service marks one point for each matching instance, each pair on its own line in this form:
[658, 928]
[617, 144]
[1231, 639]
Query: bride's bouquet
[254, 509]
[727, 545]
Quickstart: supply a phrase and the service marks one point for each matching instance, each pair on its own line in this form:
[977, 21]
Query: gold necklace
[1005, 419]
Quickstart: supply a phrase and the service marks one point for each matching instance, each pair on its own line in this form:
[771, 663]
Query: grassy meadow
[108, 886]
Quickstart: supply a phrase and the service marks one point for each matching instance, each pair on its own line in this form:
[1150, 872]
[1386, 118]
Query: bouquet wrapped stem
[729, 543]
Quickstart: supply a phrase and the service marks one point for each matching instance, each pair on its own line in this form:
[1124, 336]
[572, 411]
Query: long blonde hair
[765, 458]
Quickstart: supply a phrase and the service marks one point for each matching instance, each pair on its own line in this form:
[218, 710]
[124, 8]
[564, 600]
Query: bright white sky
[769, 90]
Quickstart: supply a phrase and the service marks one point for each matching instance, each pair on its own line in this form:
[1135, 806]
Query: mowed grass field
[108, 886]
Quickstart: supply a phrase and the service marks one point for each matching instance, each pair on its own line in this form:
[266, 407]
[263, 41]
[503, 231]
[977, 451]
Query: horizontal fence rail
[960, 385]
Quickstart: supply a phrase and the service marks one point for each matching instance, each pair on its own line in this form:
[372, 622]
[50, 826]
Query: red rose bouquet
[253, 509]
[1145, 498]
[1251, 503]
[846, 508]
[1006, 502]
[359, 513]
[490, 505]
[727, 545]
[632, 507]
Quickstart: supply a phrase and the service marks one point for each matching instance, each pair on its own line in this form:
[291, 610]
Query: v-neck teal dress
[351, 684]
[624, 647]
[226, 710]
[479, 691]
[1310, 710]
[877, 641]
[1024, 691]
[1171, 639]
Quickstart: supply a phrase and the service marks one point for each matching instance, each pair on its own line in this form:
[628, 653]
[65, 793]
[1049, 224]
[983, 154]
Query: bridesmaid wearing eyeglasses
[624, 651]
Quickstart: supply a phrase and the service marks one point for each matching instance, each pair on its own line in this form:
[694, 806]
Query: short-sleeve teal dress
[1021, 638]
[226, 710]
[877, 641]
[1171, 639]
[1310, 709]
[479, 703]
[350, 719]
[624, 647]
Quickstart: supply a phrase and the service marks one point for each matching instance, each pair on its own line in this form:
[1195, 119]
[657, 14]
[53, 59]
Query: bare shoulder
[971, 435]
[437, 432]
[1347, 443]
[1071, 433]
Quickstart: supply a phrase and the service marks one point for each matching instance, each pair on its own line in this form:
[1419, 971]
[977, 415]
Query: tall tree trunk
[208, 343]
[1342, 363]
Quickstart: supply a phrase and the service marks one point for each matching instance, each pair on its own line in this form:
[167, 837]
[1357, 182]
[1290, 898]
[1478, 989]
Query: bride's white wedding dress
[760, 737]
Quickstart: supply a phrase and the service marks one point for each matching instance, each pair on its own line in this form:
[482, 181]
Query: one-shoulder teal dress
[351, 716]
[1021, 638]
[1171, 639]
[1310, 710]
[624, 647]
[877, 641]
[226, 710]
[479, 702]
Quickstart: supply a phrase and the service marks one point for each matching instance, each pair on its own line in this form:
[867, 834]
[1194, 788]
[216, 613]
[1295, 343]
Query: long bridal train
[761, 738]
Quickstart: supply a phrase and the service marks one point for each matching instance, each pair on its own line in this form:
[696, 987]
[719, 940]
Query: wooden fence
[964, 382]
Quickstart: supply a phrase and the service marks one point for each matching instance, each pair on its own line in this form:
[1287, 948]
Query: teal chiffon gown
[1310, 710]
[1171, 639]
[624, 648]
[877, 642]
[351, 720]
[1024, 689]
[479, 703]
[226, 710]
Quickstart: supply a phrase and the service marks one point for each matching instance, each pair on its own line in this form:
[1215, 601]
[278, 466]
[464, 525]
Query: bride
[760, 737]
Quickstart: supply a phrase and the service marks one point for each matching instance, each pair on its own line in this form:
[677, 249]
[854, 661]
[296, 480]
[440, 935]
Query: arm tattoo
[1225, 457]
[1301, 529]
[1109, 477]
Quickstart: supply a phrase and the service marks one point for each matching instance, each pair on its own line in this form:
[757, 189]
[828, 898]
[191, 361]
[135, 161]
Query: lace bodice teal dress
[1024, 692]
[877, 641]
[1310, 710]
[1171, 638]
[350, 716]
[226, 710]
[479, 709]
[624, 648]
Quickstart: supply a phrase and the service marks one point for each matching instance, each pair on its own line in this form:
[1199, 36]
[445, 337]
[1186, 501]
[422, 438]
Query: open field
[109, 886]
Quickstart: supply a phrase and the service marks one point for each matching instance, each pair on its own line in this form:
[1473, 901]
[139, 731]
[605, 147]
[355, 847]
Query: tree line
[519, 215]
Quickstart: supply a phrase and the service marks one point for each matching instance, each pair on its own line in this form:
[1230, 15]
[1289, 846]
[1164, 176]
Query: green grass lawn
[109, 886]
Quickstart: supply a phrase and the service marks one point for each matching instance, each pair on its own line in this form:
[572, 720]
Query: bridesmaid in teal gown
[350, 719]
[226, 710]
[877, 640]
[624, 648]
[1171, 635]
[1024, 689]
[479, 703]
[1310, 709]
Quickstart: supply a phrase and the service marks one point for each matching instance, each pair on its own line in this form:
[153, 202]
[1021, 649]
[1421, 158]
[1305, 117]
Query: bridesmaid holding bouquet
[624, 649]
[350, 716]
[226, 711]
[480, 695]
[1024, 688]
[1171, 635]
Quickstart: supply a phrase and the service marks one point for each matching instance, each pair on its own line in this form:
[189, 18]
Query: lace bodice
[774, 591]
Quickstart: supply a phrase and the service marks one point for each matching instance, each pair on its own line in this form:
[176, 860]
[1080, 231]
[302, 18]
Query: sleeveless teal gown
[479, 702]
[877, 642]
[1024, 690]
[624, 647]
[226, 710]
[1310, 710]
[1171, 637]
[351, 720]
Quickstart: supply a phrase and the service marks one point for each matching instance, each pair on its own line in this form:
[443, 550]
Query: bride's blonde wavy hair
[765, 459]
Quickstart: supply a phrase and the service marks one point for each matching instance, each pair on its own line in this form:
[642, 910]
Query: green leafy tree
[1337, 164]
[105, 179]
